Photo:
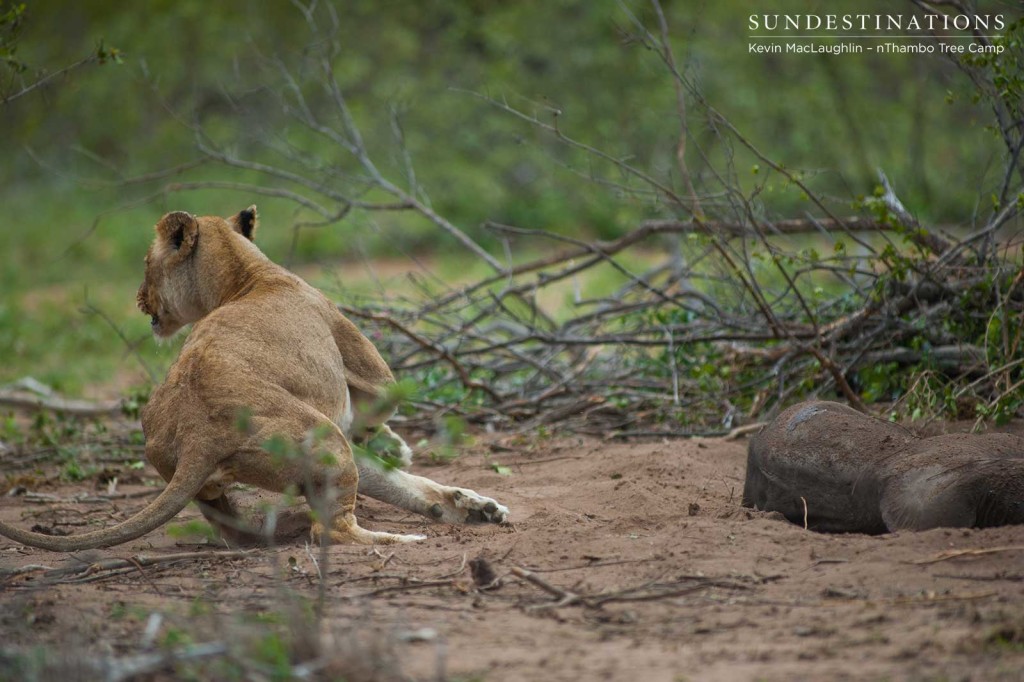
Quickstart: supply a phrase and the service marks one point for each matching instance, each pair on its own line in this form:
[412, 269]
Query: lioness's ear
[245, 222]
[180, 230]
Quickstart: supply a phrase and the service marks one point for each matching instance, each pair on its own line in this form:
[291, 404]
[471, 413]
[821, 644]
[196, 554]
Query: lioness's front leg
[429, 498]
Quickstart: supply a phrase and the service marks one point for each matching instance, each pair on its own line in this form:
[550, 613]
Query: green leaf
[194, 528]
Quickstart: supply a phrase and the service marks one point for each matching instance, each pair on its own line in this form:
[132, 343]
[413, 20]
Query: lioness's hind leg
[333, 496]
[327, 476]
[346, 530]
[222, 515]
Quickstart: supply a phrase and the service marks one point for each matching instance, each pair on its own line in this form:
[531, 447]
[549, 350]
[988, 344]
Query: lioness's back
[279, 334]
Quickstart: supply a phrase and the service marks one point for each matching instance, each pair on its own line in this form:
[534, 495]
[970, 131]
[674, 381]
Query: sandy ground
[644, 567]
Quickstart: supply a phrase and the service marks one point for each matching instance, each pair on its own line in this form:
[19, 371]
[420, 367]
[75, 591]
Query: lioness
[837, 470]
[265, 344]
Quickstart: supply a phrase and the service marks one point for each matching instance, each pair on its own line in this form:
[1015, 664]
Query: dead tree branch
[709, 310]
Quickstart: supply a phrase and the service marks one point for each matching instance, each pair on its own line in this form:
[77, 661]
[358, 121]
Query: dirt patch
[634, 561]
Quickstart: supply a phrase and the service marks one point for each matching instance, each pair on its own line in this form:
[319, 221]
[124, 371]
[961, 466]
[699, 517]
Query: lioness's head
[191, 264]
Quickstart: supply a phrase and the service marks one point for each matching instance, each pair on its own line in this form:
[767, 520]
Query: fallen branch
[77, 408]
[565, 598]
[651, 591]
[792, 226]
[959, 358]
[115, 564]
[657, 591]
[131, 667]
[87, 498]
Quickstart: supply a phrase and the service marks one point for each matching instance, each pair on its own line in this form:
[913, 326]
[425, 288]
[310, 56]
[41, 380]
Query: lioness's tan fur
[266, 345]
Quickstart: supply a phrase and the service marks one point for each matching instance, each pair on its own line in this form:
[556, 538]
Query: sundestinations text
[875, 22]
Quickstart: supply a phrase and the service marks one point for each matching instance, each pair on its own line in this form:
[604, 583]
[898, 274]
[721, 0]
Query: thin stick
[564, 597]
[427, 344]
[412, 585]
[744, 430]
[957, 553]
[132, 347]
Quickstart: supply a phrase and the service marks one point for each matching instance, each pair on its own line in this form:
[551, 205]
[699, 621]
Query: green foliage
[440, 384]
[192, 529]
[273, 651]
[476, 164]
[1007, 637]
[38, 335]
[12, 17]
[174, 638]
[701, 368]
[134, 400]
[118, 610]
[380, 448]
[881, 382]
[243, 420]
[104, 54]
[1005, 81]
[199, 607]
[74, 472]
[1003, 409]
[283, 641]
[79, 449]
[11, 431]
[394, 396]
[281, 449]
[451, 435]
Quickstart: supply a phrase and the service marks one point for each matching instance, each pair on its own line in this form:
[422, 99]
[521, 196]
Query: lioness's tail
[186, 483]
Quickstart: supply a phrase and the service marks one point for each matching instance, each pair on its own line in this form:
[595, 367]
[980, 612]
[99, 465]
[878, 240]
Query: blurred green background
[74, 234]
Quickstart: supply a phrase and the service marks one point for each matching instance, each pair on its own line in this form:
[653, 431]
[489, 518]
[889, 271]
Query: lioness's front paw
[480, 509]
[466, 506]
